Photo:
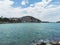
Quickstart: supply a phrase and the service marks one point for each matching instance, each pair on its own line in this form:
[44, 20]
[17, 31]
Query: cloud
[51, 14]
[24, 2]
[38, 10]
[5, 3]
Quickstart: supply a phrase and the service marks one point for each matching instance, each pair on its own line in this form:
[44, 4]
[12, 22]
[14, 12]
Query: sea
[25, 33]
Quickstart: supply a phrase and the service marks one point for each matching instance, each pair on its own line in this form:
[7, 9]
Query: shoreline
[19, 22]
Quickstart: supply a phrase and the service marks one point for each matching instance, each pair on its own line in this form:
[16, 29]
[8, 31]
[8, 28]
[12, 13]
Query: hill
[25, 19]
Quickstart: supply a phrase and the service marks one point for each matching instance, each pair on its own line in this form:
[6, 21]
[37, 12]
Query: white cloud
[5, 3]
[50, 13]
[24, 2]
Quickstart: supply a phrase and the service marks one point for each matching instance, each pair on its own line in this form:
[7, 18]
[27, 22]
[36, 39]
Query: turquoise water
[24, 33]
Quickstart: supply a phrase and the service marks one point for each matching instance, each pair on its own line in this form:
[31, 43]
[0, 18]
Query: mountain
[29, 19]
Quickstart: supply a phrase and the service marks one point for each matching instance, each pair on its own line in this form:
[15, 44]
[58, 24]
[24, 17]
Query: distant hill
[29, 19]
[58, 22]
[45, 22]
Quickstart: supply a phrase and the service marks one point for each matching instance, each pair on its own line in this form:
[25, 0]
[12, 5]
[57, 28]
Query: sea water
[25, 33]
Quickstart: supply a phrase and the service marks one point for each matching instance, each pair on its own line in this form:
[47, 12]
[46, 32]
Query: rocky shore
[41, 42]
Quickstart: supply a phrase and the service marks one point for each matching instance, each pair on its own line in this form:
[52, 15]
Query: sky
[45, 10]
